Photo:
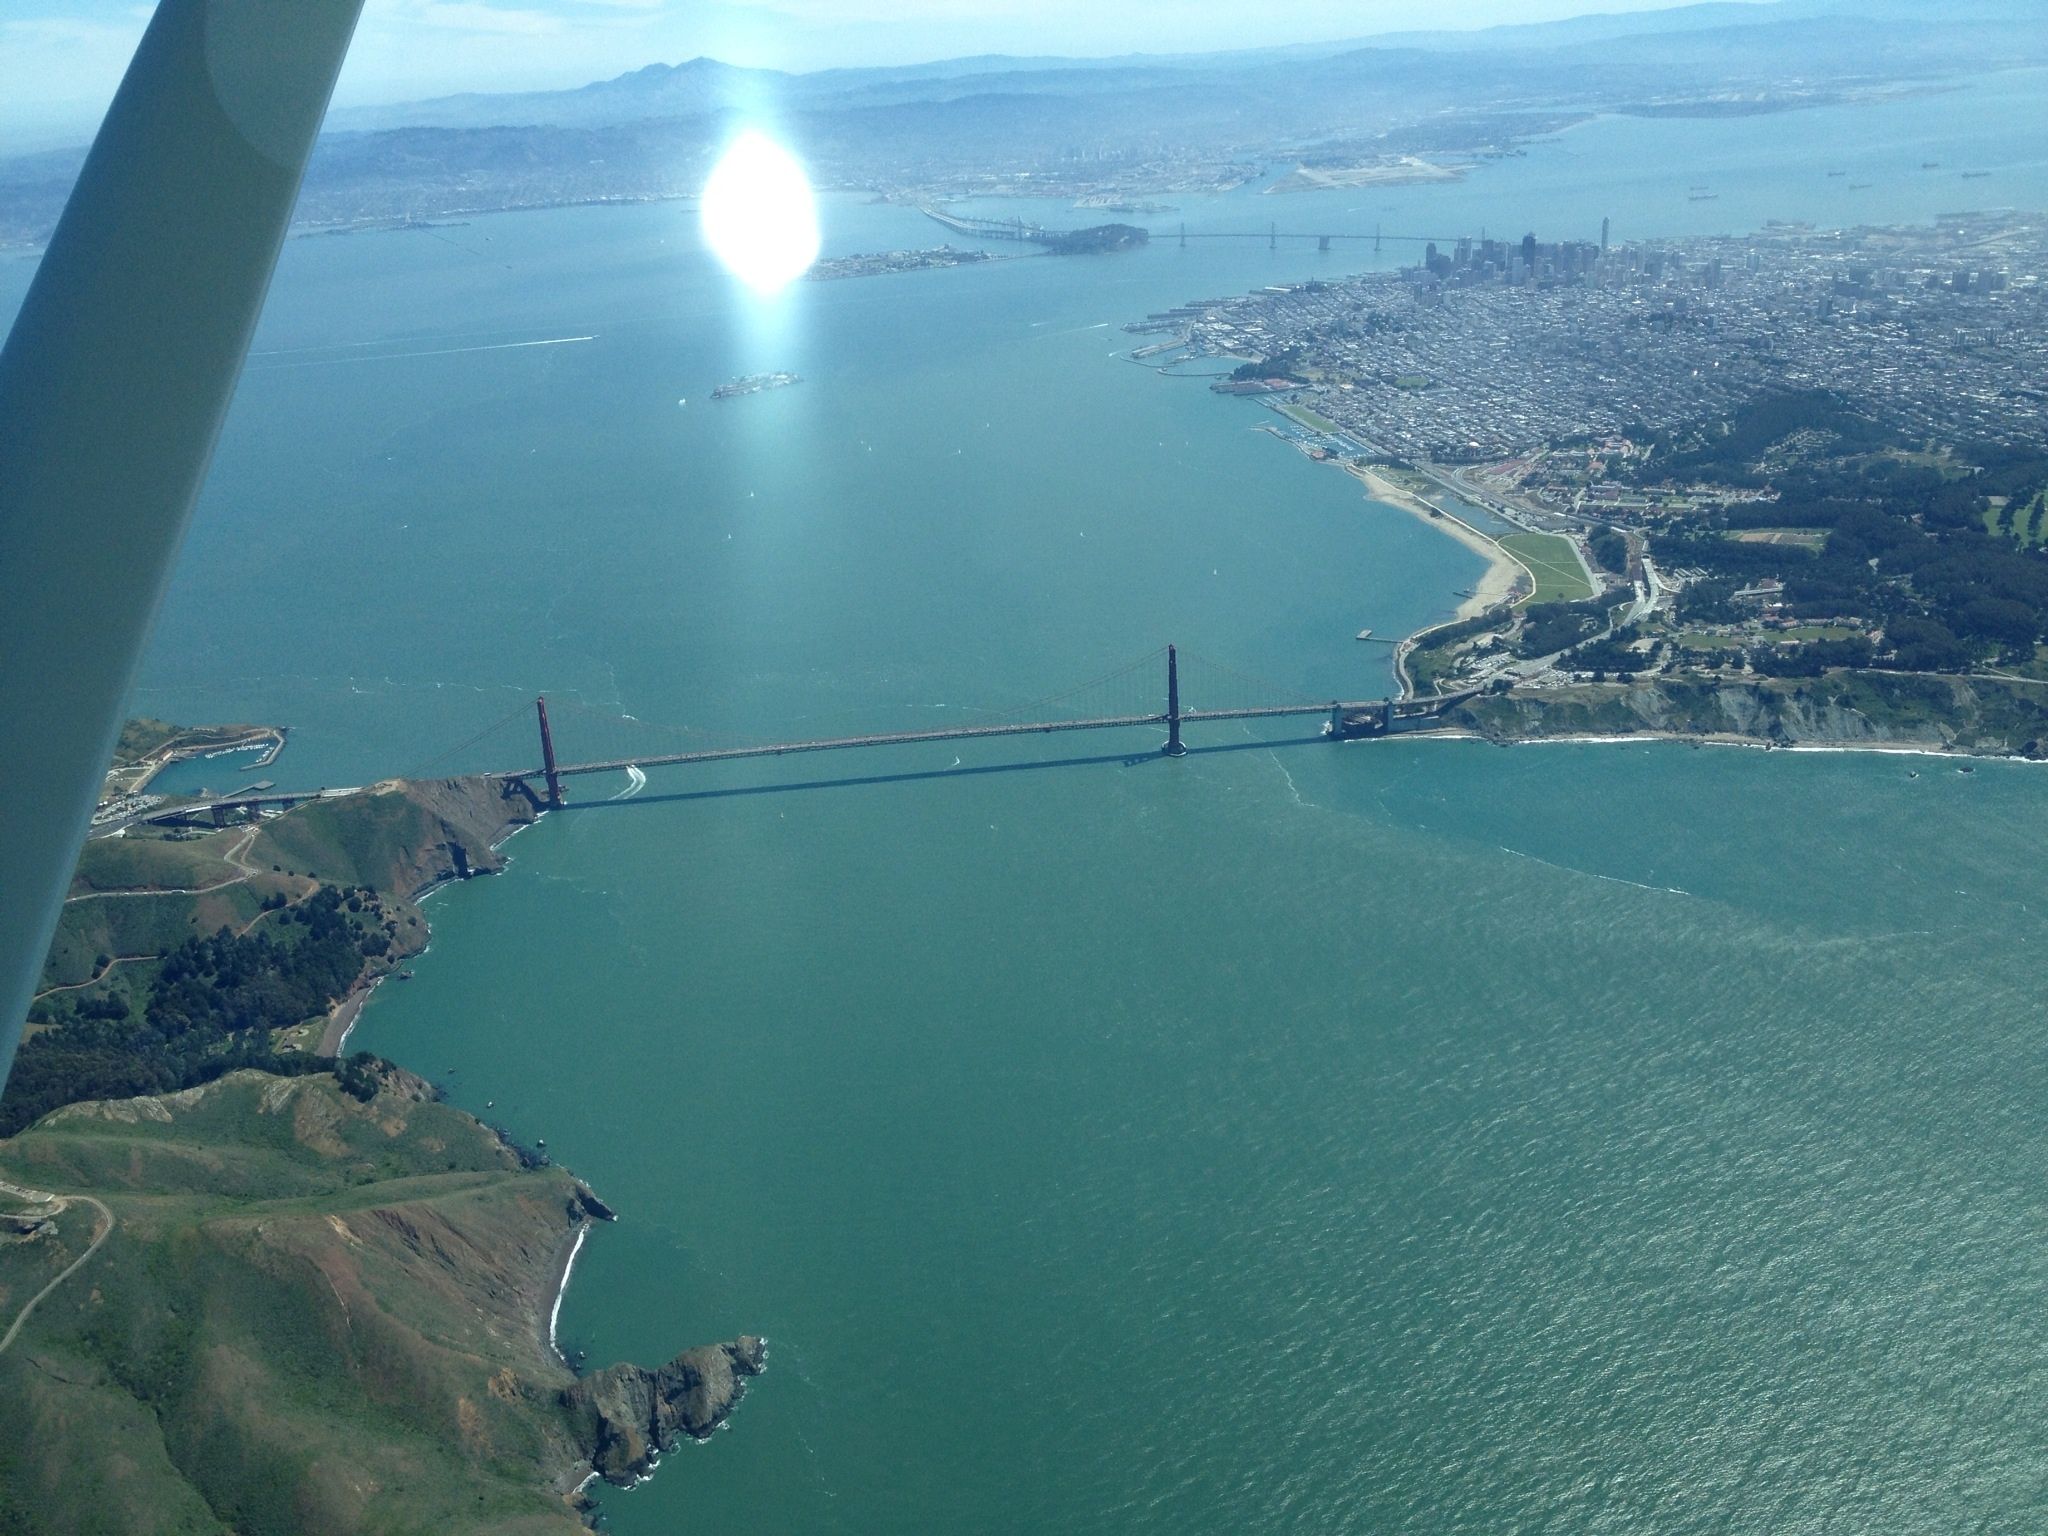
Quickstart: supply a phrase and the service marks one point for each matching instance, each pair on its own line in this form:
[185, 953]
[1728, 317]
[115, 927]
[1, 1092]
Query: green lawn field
[1559, 576]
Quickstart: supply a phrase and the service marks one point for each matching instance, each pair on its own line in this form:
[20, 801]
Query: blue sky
[60, 59]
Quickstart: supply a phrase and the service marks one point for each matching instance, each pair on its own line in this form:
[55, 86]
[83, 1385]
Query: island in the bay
[248, 1282]
[1788, 487]
[879, 263]
[754, 384]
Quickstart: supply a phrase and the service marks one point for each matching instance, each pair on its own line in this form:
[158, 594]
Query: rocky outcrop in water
[627, 1416]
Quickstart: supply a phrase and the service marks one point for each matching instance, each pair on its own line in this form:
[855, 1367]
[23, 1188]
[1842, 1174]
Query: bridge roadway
[964, 733]
[1038, 234]
[1299, 234]
[1358, 717]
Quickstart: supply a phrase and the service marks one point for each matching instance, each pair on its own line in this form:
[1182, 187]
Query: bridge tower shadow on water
[604, 740]
[616, 743]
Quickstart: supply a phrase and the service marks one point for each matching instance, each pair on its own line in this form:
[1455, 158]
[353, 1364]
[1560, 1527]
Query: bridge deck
[954, 733]
[1298, 234]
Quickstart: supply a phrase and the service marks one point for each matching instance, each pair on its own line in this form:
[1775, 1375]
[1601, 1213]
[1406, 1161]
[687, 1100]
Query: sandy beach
[342, 1019]
[1502, 568]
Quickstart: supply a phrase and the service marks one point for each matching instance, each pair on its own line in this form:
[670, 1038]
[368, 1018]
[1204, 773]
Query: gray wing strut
[113, 385]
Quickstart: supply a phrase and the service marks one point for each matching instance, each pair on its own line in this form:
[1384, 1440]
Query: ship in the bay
[753, 384]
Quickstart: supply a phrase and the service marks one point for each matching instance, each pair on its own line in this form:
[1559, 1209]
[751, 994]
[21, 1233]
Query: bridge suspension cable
[1207, 684]
[1118, 691]
[520, 714]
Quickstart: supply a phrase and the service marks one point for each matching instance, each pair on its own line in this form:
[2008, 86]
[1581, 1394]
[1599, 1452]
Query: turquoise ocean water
[1413, 1136]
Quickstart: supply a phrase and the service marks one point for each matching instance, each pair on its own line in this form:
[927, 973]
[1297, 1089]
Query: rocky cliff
[627, 1416]
[400, 836]
[1987, 716]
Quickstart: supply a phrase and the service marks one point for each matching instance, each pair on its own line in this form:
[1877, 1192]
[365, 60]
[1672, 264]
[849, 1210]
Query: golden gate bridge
[575, 740]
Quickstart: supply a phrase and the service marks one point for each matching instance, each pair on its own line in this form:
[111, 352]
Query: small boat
[1365, 634]
[405, 975]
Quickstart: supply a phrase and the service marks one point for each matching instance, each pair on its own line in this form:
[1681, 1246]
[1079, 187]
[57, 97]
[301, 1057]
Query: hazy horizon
[65, 57]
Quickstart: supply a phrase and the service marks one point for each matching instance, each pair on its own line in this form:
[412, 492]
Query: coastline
[1957, 717]
[1696, 739]
[565, 1264]
[347, 1013]
[334, 1034]
[1502, 568]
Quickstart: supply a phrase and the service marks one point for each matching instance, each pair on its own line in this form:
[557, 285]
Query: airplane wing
[113, 385]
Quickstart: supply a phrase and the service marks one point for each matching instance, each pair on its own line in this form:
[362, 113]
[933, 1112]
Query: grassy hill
[321, 1303]
[398, 837]
[134, 899]
[312, 1314]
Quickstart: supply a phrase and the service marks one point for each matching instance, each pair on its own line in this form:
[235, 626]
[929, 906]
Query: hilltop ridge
[314, 1313]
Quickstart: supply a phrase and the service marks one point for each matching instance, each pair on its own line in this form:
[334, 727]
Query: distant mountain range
[1856, 36]
[1115, 129]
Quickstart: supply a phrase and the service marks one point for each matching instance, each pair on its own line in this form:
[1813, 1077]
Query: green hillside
[312, 1314]
[288, 1300]
[99, 1025]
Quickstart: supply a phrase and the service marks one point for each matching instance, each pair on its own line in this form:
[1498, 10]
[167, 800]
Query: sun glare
[760, 218]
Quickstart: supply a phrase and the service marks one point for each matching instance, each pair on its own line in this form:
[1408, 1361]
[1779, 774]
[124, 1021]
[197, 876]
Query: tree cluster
[1905, 547]
[1552, 627]
[211, 1010]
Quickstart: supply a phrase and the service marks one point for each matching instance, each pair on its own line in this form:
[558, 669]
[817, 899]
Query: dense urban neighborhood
[1495, 348]
[1794, 455]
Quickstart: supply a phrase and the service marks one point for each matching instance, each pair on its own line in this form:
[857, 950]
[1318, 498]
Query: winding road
[57, 1204]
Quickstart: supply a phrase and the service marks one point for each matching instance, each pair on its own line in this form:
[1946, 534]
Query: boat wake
[395, 357]
[636, 781]
[1594, 874]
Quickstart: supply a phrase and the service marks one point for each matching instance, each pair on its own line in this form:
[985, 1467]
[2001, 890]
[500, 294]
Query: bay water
[1404, 1136]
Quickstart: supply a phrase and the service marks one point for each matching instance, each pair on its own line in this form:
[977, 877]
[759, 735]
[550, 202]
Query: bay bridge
[1038, 234]
[610, 743]
[1273, 234]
